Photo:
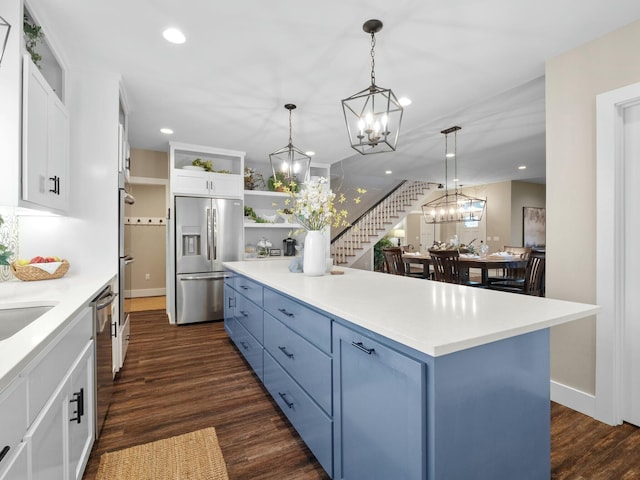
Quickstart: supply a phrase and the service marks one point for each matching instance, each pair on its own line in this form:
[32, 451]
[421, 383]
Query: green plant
[249, 212]
[5, 253]
[206, 164]
[33, 36]
[378, 256]
[280, 184]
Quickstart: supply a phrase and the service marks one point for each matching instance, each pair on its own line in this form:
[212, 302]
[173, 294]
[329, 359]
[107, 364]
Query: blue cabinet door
[379, 410]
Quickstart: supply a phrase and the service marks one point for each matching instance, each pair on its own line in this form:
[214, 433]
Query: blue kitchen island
[390, 377]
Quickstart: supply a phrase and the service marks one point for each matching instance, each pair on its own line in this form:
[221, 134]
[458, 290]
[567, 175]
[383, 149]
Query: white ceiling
[477, 64]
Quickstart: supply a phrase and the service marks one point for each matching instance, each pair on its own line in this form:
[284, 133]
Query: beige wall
[148, 242]
[572, 82]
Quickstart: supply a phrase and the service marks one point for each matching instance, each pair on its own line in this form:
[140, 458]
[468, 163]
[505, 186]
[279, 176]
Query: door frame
[610, 242]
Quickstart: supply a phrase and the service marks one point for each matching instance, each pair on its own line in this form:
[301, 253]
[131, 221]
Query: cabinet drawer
[230, 279]
[250, 289]
[250, 349]
[51, 366]
[308, 365]
[250, 316]
[13, 418]
[16, 467]
[312, 325]
[315, 428]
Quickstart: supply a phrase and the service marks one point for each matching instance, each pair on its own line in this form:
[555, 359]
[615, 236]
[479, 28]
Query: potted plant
[378, 256]
[5, 253]
[33, 36]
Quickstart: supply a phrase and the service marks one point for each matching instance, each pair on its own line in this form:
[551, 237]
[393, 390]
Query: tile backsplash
[8, 238]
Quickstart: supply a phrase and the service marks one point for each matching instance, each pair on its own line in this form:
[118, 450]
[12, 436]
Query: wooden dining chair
[446, 267]
[534, 278]
[393, 260]
[512, 274]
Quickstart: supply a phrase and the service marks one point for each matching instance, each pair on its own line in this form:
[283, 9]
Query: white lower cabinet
[60, 439]
[47, 413]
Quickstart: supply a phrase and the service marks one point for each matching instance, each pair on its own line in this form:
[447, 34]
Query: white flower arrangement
[314, 206]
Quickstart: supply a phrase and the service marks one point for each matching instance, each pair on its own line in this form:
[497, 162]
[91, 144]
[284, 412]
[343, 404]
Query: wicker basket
[29, 272]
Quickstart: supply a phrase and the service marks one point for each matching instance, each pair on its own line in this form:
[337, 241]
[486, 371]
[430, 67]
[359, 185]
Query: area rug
[192, 456]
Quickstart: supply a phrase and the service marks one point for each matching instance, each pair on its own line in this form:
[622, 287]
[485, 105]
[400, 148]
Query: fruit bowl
[30, 272]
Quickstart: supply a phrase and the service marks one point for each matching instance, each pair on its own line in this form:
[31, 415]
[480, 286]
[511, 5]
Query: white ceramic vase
[314, 254]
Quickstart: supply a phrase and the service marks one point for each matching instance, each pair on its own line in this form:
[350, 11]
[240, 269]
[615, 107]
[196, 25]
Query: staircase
[365, 232]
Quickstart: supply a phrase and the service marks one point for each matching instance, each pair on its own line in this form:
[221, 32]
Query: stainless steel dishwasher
[104, 326]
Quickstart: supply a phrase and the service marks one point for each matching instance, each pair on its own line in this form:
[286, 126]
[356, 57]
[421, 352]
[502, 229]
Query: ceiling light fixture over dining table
[373, 115]
[456, 206]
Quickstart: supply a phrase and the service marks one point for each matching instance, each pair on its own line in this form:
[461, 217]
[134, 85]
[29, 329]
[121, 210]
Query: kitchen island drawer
[307, 364]
[312, 325]
[250, 289]
[249, 315]
[315, 428]
[250, 348]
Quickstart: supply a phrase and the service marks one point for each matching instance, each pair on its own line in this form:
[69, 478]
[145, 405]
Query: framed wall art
[534, 226]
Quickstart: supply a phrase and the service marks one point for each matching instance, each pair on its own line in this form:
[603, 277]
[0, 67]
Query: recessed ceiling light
[404, 101]
[388, 172]
[310, 153]
[456, 179]
[174, 35]
[450, 155]
[522, 167]
[166, 131]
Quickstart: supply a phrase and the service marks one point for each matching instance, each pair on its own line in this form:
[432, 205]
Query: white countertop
[431, 317]
[67, 295]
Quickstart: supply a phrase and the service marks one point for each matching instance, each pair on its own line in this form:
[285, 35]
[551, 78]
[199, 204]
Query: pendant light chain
[455, 159]
[373, 59]
[290, 140]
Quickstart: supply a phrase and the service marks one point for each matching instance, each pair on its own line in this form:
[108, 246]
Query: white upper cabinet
[45, 142]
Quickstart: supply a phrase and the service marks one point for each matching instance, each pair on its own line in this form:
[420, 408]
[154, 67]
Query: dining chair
[396, 265]
[534, 278]
[393, 260]
[446, 267]
[512, 274]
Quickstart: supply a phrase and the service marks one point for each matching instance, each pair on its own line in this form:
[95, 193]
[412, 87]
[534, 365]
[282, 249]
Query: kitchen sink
[12, 320]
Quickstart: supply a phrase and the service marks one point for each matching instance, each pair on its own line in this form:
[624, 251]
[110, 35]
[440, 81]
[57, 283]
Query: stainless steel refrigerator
[209, 231]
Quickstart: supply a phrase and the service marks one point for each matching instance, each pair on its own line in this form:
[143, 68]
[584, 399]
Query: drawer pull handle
[244, 287]
[360, 346]
[4, 452]
[284, 350]
[232, 300]
[283, 396]
[78, 398]
[284, 310]
[244, 314]
[244, 345]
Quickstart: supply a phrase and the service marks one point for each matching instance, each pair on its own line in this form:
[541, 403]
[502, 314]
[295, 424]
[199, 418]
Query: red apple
[49, 259]
[37, 259]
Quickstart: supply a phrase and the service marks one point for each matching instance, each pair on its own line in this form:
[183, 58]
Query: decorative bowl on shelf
[270, 218]
[193, 167]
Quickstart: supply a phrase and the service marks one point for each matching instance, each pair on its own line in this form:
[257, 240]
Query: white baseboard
[573, 398]
[148, 292]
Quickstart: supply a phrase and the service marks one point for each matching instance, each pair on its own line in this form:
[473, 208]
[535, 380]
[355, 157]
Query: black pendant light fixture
[373, 115]
[452, 206]
[5, 28]
[290, 163]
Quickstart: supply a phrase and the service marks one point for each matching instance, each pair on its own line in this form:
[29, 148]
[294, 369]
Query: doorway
[617, 282]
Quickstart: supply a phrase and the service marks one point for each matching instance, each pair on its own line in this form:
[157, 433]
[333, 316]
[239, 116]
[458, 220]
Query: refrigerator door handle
[208, 214]
[214, 232]
[212, 277]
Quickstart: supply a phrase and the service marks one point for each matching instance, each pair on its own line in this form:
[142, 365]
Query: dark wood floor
[180, 379]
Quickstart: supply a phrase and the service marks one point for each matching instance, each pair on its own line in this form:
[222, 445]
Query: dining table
[467, 261]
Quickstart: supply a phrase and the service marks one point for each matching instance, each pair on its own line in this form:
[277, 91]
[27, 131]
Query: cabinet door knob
[284, 350]
[284, 311]
[4, 451]
[78, 398]
[283, 396]
[361, 347]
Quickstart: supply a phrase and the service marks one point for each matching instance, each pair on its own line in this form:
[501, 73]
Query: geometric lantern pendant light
[5, 28]
[290, 162]
[373, 115]
[452, 206]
